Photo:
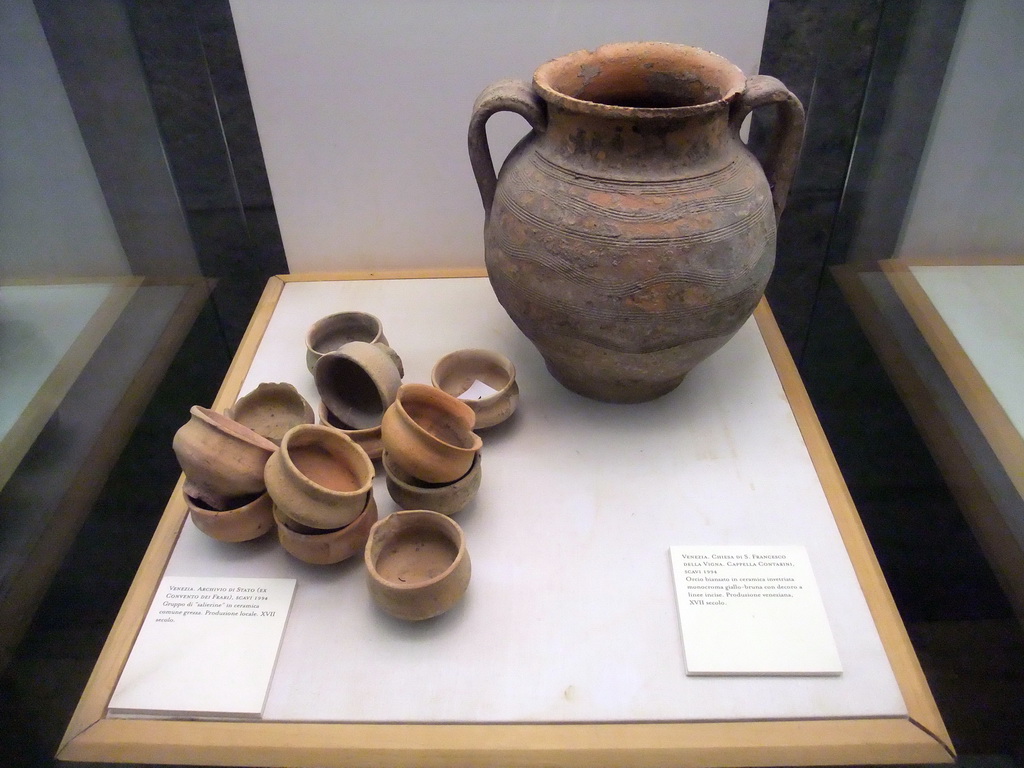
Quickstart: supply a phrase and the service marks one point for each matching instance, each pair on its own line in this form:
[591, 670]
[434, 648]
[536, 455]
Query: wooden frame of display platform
[919, 737]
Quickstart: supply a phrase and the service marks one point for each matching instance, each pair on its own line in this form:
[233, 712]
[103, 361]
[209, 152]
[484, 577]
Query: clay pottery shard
[248, 521]
[367, 439]
[223, 460]
[326, 547]
[417, 563]
[461, 373]
[334, 331]
[319, 477]
[272, 409]
[632, 233]
[429, 434]
[446, 498]
[358, 382]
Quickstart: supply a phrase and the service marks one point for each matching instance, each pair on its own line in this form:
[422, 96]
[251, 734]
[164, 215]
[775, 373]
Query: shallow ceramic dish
[319, 477]
[223, 460]
[243, 523]
[330, 333]
[446, 498]
[358, 382]
[367, 439]
[417, 564]
[459, 372]
[327, 547]
[272, 409]
[429, 434]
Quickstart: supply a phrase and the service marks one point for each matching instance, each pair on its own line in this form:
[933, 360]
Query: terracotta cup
[446, 498]
[417, 563]
[272, 409]
[429, 434]
[223, 460]
[458, 371]
[243, 523]
[326, 547]
[358, 382]
[320, 478]
[332, 332]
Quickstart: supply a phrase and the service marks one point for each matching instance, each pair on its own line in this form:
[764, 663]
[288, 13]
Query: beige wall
[968, 199]
[363, 106]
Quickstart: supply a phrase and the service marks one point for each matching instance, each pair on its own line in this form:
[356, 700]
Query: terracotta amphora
[631, 233]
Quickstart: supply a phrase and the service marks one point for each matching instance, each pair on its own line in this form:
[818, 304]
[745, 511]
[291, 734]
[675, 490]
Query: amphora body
[631, 233]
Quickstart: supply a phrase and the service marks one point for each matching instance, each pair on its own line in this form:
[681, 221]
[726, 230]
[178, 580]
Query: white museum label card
[751, 611]
[478, 390]
[207, 648]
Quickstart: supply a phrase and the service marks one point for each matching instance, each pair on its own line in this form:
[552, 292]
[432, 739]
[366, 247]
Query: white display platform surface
[570, 615]
[981, 306]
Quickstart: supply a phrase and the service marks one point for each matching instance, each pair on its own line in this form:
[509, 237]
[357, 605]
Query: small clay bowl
[319, 477]
[446, 498]
[223, 460]
[367, 439]
[244, 523]
[334, 331]
[358, 382]
[458, 371]
[271, 410]
[327, 547]
[429, 434]
[417, 564]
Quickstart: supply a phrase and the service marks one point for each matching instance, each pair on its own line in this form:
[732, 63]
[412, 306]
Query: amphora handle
[787, 135]
[503, 96]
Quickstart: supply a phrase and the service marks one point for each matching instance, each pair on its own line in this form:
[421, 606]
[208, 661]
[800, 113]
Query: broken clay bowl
[223, 460]
[272, 409]
[417, 563]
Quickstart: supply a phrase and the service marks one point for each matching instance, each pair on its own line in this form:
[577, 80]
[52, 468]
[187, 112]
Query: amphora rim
[640, 79]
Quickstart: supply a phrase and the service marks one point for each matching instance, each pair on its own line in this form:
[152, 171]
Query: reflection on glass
[99, 280]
